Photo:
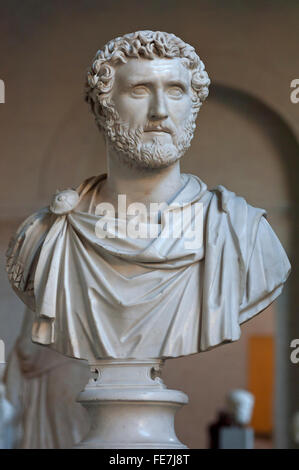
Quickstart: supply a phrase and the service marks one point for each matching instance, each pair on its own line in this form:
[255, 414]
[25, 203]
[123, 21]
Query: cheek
[181, 111]
[130, 111]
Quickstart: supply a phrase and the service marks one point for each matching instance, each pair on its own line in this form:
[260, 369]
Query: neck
[143, 185]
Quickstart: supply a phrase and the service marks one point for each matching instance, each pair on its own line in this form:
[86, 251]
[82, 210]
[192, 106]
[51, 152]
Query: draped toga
[186, 299]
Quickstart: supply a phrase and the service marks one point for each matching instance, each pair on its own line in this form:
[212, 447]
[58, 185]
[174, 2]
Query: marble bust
[98, 292]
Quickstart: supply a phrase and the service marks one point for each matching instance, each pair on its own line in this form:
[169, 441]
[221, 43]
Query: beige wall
[246, 141]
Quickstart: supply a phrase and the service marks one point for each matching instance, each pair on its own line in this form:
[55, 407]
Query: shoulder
[236, 219]
[22, 251]
[242, 216]
[65, 201]
[230, 203]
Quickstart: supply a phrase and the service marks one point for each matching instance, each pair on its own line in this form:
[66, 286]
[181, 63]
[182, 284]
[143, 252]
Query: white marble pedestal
[130, 407]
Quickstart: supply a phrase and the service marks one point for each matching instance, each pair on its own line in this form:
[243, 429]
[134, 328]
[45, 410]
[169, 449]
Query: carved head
[145, 90]
[240, 405]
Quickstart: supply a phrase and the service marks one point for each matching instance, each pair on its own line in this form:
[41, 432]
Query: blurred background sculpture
[231, 430]
[102, 294]
[240, 405]
[42, 386]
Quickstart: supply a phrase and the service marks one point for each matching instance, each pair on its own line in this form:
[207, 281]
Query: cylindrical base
[130, 407]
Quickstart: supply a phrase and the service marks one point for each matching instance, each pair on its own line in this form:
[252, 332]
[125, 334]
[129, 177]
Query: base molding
[130, 406]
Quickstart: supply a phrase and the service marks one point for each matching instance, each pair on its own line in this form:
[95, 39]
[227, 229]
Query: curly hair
[144, 44]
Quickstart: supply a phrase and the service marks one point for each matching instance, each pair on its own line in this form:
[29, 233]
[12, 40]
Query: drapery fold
[184, 299]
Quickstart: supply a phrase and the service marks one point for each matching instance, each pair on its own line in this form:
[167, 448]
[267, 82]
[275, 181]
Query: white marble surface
[130, 407]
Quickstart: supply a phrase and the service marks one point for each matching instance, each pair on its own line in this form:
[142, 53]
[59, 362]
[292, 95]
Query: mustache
[150, 127]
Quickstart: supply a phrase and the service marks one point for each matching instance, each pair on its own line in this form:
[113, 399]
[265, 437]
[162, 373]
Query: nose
[158, 108]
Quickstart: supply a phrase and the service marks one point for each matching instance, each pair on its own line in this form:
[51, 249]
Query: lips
[158, 129]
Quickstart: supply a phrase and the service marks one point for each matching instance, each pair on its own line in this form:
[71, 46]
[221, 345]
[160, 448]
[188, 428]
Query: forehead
[155, 70]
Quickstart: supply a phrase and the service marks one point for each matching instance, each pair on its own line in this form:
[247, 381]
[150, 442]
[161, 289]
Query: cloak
[183, 298]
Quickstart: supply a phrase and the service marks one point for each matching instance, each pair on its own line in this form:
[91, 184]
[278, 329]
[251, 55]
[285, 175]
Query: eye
[139, 91]
[175, 91]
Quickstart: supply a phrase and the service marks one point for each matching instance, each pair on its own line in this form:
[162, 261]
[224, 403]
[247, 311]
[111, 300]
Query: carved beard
[155, 154]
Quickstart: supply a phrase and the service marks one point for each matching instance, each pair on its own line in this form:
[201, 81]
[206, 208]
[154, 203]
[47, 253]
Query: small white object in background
[296, 427]
[238, 436]
[9, 423]
[7, 416]
[240, 405]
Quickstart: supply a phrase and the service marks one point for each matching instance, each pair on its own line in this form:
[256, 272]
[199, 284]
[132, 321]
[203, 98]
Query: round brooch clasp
[64, 202]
